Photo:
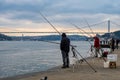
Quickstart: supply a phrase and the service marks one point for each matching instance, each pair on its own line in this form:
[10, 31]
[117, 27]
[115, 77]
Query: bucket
[106, 64]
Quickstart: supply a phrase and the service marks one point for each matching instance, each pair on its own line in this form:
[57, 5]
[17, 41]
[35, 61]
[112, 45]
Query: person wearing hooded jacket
[65, 48]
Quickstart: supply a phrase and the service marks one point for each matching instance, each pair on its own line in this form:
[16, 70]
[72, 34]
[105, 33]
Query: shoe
[96, 56]
[63, 67]
[67, 66]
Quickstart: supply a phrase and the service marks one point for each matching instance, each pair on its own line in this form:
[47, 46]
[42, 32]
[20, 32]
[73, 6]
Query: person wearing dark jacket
[117, 42]
[65, 48]
[113, 44]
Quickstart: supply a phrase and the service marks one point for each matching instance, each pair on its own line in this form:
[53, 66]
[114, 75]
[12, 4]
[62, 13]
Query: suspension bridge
[108, 27]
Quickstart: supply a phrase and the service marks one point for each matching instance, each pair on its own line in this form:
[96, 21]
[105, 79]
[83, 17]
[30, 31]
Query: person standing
[113, 44]
[65, 48]
[96, 45]
[117, 42]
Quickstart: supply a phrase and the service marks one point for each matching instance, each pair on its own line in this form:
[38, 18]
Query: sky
[25, 15]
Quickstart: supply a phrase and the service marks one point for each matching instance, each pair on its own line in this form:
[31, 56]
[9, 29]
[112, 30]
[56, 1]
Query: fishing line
[88, 40]
[50, 23]
[70, 45]
[84, 59]
[73, 48]
[89, 27]
[93, 34]
[80, 29]
[85, 33]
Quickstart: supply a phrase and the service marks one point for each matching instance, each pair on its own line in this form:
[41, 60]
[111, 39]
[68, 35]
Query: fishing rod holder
[73, 50]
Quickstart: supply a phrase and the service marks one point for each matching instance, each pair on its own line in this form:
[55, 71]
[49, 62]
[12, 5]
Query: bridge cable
[115, 23]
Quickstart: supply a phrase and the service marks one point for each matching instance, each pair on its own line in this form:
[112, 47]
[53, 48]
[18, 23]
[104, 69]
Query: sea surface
[21, 57]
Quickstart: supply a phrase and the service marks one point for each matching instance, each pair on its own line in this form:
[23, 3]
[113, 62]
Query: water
[21, 57]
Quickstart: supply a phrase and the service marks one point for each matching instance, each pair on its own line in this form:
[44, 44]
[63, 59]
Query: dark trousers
[117, 46]
[65, 57]
[113, 47]
[97, 52]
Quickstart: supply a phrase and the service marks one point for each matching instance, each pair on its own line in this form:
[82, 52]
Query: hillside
[49, 37]
[5, 38]
[115, 34]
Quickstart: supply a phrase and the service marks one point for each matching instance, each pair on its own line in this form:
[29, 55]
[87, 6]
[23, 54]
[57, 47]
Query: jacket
[96, 42]
[65, 44]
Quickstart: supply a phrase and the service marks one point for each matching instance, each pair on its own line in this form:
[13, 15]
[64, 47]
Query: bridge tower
[108, 26]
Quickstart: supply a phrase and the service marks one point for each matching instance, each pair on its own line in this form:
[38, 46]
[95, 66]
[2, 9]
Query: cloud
[58, 6]
[26, 13]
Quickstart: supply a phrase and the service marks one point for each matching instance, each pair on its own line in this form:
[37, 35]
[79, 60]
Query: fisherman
[65, 47]
[96, 45]
[112, 44]
[117, 42]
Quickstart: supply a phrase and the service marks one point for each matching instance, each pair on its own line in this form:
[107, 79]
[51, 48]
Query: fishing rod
[50, 23]
[88, 40]
[89, 26]
[70, 45]
[93, 34]
[83, 33]
[74, 54]
[49, 41]
[80, 29]
[86, 33]
[89, 35]
[84, 59]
